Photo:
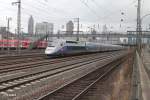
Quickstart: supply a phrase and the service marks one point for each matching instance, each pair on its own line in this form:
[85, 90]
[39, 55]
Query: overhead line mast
[18, 23]
[139, 29]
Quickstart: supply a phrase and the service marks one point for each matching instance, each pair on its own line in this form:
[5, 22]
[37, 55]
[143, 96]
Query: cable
[52, 8]
[45, 9]
[29, 12]
[109, 15]
[93, 11]
[99, 6]
[133, 2]
[142, 6]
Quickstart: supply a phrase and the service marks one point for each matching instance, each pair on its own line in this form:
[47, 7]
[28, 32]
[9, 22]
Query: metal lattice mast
[8, 27]
[18, 23]
[139, 29]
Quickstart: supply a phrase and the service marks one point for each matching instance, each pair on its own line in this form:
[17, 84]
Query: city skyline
[98, 12]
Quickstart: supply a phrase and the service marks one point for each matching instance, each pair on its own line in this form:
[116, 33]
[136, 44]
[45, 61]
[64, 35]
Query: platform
[143, 67]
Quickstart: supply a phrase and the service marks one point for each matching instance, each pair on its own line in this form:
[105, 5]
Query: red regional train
[24, 44]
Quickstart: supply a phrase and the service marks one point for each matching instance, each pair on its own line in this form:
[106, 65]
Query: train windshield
[53, 43]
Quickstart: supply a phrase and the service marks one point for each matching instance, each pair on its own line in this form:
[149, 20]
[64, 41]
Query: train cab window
[61, 44]
[50, 45]
[72, 42]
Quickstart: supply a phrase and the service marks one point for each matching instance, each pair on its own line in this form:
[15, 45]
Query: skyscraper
[105, 28]
[44, 28]
[31, 25]
[69, 27]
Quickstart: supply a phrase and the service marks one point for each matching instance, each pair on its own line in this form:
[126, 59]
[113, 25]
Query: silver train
[65, 47]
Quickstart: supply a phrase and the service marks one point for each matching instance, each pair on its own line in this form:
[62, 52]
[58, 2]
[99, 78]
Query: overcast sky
[90, 12]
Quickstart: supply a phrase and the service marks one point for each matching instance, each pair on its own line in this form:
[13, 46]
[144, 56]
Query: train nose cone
[49, 50]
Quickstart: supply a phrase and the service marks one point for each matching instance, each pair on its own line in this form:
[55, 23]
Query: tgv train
[65, 47]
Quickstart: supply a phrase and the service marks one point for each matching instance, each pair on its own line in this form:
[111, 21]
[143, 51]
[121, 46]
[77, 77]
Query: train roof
[67, 41]
[90, 43]
[93, 43]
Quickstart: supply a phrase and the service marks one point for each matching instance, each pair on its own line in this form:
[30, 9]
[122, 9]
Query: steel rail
[93, 60]
[47, 97]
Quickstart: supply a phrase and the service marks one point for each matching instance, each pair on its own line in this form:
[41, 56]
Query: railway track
[78, 88]
[54, 67]
[15, 57]
[11, 85]
[36, 69]
[23, 52]
[6, 61]
[20, 66]
[25, 60]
